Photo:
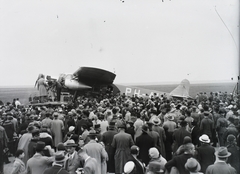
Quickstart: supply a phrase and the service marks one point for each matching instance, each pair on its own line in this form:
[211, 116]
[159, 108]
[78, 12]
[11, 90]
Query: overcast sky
[140, 40]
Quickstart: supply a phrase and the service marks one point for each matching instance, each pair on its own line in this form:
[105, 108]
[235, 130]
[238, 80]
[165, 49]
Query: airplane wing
[94, 76]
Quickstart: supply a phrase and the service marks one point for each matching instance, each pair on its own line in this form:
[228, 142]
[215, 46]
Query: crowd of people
[123, 134]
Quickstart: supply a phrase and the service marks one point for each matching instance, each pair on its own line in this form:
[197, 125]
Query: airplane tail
[182, 90]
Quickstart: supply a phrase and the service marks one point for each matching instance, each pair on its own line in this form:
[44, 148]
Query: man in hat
[221, 166]
[179, 134]
[9, 126]
[144, 142]
[138, 126]
[47, 121]
[232, 147]
[33, 142]
[155, 136]
[73, 161]
[97, 151]
[38, 163]
[83, 121]
[107, 139]
[68, 121]
[195, 115]
[156, 127]
[195, 133]
[179, 161]
[170, 124]
[207, 125]
[221, 126]
[97, 128]
[122, 142]
[58, 164]
[205, 153]
[130, 128]
[57, 129]
[231, 129]
[24, 141]
[138, 165]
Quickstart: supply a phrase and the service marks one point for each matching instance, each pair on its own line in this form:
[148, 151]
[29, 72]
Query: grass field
[23, 93]
[7, 94]
[196, 88]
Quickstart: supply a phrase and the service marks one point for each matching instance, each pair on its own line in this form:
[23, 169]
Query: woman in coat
[41, 85]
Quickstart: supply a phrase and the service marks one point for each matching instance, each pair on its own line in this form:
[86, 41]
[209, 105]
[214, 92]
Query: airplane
[95, 81]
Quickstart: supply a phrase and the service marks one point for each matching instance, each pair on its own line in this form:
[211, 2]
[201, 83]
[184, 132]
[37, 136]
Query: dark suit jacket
[195, 135]
[55, 169]
[179, 163]
[107, 139]
[138, 169]
[179, 134]
[144, 142]
[205, 156]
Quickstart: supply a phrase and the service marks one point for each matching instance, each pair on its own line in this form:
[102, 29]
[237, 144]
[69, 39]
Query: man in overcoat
[122, 142]
[221, 166]
[97, 151]
[205, 153]
[179, 134]
[107, 139]
[73, 161]
[57, 128]
[144, 142]
[39, 163]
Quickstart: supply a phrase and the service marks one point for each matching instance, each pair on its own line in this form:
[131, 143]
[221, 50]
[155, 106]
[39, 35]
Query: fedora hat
[60, 157]
[222, 152]
[156, 121]
[92, 133]
[70, 143]
[128, 167]
[170, 117]
[204, 138]
[192, 165]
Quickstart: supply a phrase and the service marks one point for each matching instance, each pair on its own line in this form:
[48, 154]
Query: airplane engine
[71, 83]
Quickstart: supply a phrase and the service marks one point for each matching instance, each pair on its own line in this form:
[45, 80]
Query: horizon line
[141, 83]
